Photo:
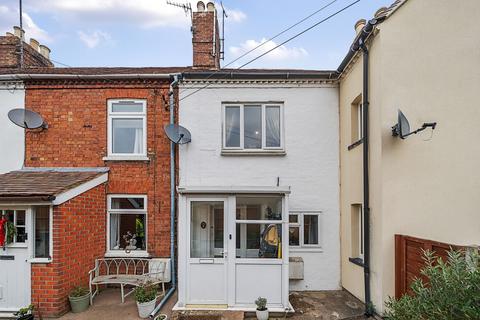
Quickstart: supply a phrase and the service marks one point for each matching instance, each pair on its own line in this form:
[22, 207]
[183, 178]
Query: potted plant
[25, 313]
[79, 299]
[146, 297]
[262, 311]
[161, 317]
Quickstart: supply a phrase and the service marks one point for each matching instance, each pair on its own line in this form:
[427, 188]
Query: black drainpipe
[359, 44]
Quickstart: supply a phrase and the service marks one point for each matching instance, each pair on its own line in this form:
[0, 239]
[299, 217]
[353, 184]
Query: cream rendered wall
[12, 137]
[420, 187]
[310, 166]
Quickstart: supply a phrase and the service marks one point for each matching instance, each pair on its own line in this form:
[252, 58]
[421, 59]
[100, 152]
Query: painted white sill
[126, 158]
[306, 249]
[40, 260]
[123, 254]
[257, 152]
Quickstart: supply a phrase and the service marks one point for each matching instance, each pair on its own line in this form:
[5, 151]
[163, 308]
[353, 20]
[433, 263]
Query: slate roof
[44, 184]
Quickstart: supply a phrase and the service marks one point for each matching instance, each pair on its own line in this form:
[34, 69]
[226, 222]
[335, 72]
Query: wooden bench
[126, 271]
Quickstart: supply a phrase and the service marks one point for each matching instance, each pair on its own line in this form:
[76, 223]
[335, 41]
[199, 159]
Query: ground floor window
[127, 223]
[357, 229]
[304, 229]
[258, 227]
[41, 232]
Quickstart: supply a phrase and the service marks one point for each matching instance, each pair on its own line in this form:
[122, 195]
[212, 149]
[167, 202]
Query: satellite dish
[402, 128]
[27, 119]
[177, 134]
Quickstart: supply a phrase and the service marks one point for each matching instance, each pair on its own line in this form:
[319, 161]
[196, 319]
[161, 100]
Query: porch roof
[48, 184]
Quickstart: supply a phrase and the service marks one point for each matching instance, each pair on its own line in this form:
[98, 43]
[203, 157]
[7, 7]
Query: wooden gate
[409, 259]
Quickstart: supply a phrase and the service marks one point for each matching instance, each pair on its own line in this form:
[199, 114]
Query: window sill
[126, 158]
[355, 144]
[123, 254]
[40, 260]
[305, 249]
[227, 152]
[357, 261]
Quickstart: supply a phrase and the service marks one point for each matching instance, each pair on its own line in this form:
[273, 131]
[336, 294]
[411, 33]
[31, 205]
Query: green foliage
[261, 304]
[451, 292]
[10, 231]
[24, 311]
[79, 292]
[146, 293]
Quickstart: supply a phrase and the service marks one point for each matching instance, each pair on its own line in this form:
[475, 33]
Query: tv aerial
[402, 128]
[27, 119]
[177, 134]
[187, 7]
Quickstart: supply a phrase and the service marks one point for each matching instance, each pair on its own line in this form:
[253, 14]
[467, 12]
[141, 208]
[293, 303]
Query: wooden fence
[409, 259]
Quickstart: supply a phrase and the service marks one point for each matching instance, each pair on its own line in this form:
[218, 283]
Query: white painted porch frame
[188, 194]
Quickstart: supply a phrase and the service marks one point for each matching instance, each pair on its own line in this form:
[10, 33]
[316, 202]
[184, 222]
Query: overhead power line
[277, 46]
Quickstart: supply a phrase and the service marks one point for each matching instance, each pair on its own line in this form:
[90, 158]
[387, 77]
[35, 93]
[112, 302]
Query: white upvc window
[253, 127]
[42, 230]
[127, 225]
[304, 229]
[127, 129]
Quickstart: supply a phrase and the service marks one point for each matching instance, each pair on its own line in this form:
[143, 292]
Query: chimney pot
[200, 6]
[380, 12]
[359, 25]
[34, 44]
[210, 6]
[19, 33]
[45, 51]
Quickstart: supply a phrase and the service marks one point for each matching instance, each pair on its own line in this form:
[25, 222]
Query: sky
[137, 33]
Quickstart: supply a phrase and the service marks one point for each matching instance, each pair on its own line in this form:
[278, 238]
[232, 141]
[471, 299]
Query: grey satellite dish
[402, 128]
[27, 119]
[177, 134]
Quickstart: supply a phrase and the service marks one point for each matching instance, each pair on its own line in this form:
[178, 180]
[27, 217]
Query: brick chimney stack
[205, 37]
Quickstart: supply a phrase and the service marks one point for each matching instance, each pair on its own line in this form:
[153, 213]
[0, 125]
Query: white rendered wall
[12, 137]
[310, 166]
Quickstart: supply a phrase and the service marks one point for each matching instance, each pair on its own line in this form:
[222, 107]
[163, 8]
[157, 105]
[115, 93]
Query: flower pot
[145, 308]
[161, 317]
[79, 304]
[25, 317]
[262, 314]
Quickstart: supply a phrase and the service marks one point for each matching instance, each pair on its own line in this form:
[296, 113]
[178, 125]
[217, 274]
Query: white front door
[14, 263]
[207, 251]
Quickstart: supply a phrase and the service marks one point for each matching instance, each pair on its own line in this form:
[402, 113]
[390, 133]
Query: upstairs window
[127, 128]
[253, 127]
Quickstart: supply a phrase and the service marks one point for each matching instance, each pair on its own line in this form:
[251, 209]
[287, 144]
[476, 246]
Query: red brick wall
[79, 238]
[204, 25]
[10, 57]
[76, 114]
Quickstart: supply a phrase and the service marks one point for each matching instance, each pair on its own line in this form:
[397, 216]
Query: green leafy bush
[451, 292]
[146, 293]
[261, 304]
[79, 292]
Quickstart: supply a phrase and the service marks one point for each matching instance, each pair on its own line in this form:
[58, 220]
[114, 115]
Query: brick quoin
[76, 113]
[79, 238]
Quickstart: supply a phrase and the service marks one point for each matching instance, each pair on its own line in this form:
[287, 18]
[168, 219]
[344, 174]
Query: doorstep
[234, 308]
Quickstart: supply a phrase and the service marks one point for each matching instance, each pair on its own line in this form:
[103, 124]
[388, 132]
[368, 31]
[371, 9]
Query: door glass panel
[206, 229]
[259, 208]
[20, 217]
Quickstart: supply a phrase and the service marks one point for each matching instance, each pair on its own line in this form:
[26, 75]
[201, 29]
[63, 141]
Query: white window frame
[264, 148]
[50, 238]
[300, 224]
[126, 115]
[361, 230]
[121, 253]
[360, 121]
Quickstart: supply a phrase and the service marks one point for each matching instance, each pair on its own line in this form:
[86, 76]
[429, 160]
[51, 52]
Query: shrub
[451, 292]
[79, 292]
[145, 293]
[261, 304]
